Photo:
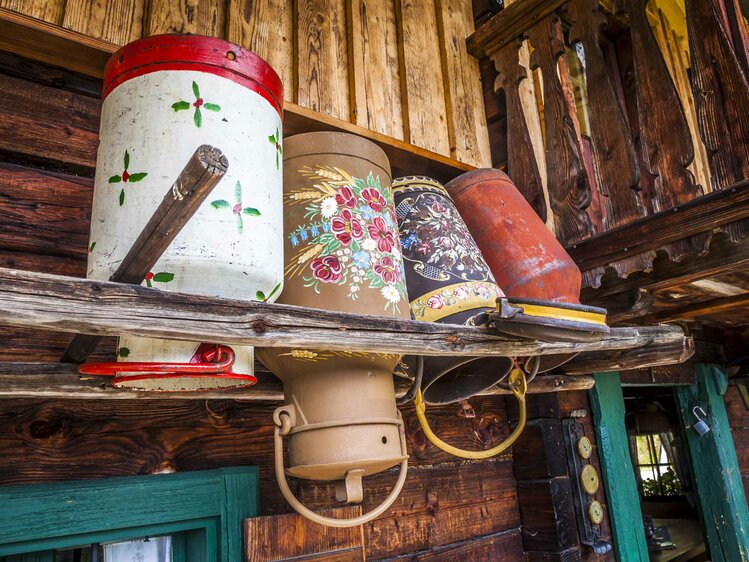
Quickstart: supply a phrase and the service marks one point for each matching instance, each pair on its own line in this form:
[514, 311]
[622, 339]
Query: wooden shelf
[52, 44]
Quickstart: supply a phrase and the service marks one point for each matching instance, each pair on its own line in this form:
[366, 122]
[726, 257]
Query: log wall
[738, 419]
[397, 67]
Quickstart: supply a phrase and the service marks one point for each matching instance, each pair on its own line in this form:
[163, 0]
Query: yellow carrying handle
[518, 386]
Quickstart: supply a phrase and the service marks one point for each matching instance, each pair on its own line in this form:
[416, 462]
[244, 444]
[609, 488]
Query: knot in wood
[259, 327]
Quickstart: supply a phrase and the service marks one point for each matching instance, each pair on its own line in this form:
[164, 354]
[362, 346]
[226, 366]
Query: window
[184, 517]
[655, 470]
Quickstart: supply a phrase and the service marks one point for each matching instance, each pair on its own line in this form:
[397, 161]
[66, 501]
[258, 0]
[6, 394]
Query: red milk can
[526, 259]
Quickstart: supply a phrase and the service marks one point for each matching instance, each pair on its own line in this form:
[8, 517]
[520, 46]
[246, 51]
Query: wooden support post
[627, 529]
[715, 468]
[203, 171]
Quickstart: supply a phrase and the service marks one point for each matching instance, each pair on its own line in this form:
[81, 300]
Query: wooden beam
[203, 171]
[51, 44]
[648, 355]
[702, 214]
[714, 306]
[62, 381]
[66, 304]
[509, 24]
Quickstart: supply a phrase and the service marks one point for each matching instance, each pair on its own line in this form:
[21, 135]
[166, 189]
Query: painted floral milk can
[448, 282]
[342, 253]
[165, 96]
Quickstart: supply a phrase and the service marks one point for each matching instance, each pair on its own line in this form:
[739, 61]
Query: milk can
[165, 96]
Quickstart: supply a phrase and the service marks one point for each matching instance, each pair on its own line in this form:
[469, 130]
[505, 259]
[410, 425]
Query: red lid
[194, 52]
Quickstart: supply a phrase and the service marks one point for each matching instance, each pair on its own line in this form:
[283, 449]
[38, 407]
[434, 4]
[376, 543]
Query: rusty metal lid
[468, 179]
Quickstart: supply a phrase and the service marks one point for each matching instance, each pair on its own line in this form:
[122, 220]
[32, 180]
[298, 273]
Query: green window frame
[203, 510]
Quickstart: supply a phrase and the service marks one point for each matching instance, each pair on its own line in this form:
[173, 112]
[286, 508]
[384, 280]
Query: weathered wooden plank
[44, 212]
[666, 141]
[548, 514]
[715, 468]
[466, 120]
[199, 17]
[613, 150]
[116, 21]
[705, 308]
[505, 546]
[322, 60]
[38, 122]
[667, 375]
[106, 308]
[567, 181]
[522, 165]
[509, 24]
[422, 85]
[539, 451]
[700, 215]
[721, 95]
[293, 537]
[46, 10]
[374, 72]
[267, 28]
[203, 171]
[607, 405]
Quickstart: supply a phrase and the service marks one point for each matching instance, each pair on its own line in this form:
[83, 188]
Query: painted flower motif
[197, 104]
[238, 209]
[482, 291]
[361, 259]
[160, 277]
[436, 302]
[374, 199]
[387, 270]
[369, 245]
[328, 207]
[380, 233]
[410, 241]
[439, 209]
[390, 293]
[461, 293]
[346, 227]
[345, 197]
[126, 177]
[275, 140]
[327, 269]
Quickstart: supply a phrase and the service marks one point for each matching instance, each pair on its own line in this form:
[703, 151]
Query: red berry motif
[125, 176]
[197, 104]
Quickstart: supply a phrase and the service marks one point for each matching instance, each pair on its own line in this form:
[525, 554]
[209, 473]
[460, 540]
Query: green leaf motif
[274, 291]
[212, 106]
[238, 192]
[123, 352]
[91, 247]
[195, 90]
[251, 211]
[137, 177]
[260, 296]
[240, 224]
[163, 277]
[220, 204]
[148, 283]
[198, 117]
[180, 105]
[272, 139]
[127, 159]
[122, 197]
[115, 179]
[277, 165]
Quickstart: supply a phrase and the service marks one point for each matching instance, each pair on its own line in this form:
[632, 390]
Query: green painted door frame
[617, 471]
[715, 469]
[205, 508]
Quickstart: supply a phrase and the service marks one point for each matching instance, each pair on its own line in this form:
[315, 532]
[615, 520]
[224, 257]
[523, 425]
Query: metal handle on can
[284, 421]
[519, 387]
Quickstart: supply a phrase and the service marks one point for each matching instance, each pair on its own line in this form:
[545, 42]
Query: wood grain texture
[466, 120]
[567, 180]
[267, 28]
[613, 150]
[322, 58]
[522, 165]
[105, 308]
[292, 537]
[422, 84]
[48, 124]
[199, 17]
[44, 212]
[116, 21]
[505, 546]
[374, 73]
[548, 514]
[46, 10]
[667, 147]
[721, 95]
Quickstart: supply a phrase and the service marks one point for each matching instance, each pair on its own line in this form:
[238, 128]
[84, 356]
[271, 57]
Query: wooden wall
[397, 67]
[738, 419]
